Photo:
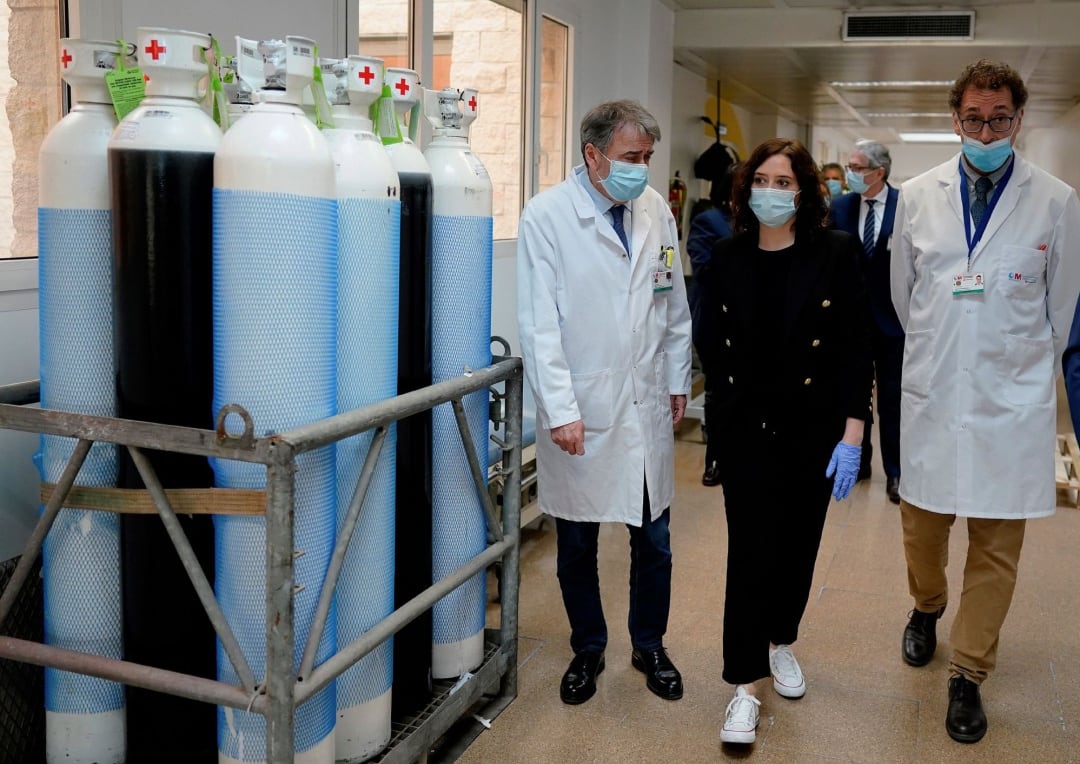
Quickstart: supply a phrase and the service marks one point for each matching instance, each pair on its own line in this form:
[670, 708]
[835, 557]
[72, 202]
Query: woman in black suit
[789, 319]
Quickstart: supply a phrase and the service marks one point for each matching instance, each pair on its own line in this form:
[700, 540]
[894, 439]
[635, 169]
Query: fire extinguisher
[677, 200]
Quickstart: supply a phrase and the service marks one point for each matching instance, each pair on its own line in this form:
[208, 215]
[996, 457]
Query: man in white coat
[605, 335]
[985, 275]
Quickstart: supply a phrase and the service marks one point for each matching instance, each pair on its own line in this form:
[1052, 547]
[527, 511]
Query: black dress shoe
[712, 474]
[864, 474]
[965, 721]
[661, 676]
[579, 681]
[892, 488]
[920, 637]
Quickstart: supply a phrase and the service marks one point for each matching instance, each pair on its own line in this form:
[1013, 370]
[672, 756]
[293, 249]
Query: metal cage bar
[282, 690]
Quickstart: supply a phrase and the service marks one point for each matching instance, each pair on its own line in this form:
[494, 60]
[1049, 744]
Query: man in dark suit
[707, 228]
[867, 212]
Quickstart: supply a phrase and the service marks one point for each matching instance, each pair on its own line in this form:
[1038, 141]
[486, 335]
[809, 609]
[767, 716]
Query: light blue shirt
[603, 204]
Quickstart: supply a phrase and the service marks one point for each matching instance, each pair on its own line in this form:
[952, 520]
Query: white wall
[1056, 149]
[325, 21]
[688, 137]
[911, 159]
[625, 51]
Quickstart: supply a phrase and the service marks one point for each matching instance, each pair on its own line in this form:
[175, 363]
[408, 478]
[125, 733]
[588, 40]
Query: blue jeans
[650, 582]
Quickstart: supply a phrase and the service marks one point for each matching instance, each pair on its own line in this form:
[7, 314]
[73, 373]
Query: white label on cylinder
[127, 131]
[477, 166]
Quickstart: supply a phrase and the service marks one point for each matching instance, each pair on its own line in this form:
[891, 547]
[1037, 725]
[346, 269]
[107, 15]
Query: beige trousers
[993, 556]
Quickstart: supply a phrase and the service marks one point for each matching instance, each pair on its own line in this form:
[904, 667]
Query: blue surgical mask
[773, 206]
[987, 157]
[835, 187]
[625, 180]
[855, 182]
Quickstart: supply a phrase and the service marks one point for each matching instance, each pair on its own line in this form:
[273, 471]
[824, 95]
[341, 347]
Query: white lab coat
[978, 411]
[601, 346]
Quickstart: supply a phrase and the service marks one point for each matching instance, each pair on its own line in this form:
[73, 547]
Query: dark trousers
[650, 582]
[711, 449]
[773, 540]
[888, 361]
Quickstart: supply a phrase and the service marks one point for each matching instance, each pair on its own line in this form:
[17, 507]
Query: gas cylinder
[161, 176]
[369, 225]
[84, 716]
[275, 354]
[677, 201]
[412, 645]
[461, 252]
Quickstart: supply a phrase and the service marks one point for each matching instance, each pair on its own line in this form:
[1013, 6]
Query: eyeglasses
[974, 125]
[860, 169]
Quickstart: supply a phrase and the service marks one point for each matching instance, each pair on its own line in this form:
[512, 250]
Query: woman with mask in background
[787, 314]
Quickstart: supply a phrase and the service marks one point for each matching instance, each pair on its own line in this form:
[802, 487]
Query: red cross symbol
[155, 49]
[367, 75]
[472, 103]
[403, 86]
[65, 59]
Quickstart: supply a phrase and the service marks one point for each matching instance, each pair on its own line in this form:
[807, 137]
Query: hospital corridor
[353, 372]
[862, 704]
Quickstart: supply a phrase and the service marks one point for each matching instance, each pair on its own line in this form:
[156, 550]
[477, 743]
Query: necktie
[617, 223]
[869, 236]
[978, 207]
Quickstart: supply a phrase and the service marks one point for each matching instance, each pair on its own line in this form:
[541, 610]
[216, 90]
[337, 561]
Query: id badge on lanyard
[968, 282]
[661, 275]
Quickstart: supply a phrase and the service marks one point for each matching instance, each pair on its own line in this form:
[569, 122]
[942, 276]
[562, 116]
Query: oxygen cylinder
[460, 341]
[275, 316]
[84, 716]
[412, 564]
[161, 175]
[369, 225]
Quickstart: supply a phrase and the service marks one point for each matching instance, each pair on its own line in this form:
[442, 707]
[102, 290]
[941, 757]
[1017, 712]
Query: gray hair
[876, 154]
[598, 127]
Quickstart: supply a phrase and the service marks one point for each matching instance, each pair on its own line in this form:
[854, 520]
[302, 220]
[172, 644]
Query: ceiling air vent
[941, 25]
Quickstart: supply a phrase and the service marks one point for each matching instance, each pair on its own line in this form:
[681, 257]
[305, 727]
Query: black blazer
[825, 357]
[845, 217]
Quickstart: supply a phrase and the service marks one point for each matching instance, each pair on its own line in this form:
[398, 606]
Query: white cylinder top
[365, 82]
[166, 123]
[280, 71]
[83, 64]
[275, 148]
[405, 89]
[335, 80]
[172, 60]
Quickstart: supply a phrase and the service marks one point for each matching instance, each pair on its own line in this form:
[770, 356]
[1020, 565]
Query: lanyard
[965, 196]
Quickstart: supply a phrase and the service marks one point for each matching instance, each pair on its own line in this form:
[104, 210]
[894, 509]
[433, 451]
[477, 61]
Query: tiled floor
[863, 704]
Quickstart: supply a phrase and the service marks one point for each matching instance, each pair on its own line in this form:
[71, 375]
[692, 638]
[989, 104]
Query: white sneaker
[741, 718]
[788, 679]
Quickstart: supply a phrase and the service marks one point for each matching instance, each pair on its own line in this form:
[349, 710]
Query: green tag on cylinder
[324, 118]
[127, 87]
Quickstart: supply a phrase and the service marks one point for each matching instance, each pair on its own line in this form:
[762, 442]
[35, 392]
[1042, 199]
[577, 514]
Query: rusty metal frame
[283, 689]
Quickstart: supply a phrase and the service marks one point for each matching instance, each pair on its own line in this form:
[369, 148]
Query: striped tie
[869, 237]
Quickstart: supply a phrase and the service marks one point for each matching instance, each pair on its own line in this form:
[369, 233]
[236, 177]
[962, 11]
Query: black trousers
[650, 581]
[775, 515]
[888, 362]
